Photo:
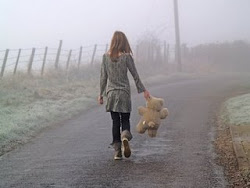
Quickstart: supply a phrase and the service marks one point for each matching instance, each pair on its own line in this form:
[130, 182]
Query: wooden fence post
[58, 54]
[44, 60]
[93, 55]
[17, 59]
[80, 57]
[68, 60]
[158, 54]
[31, 60]
[166, 54]
[4, 62]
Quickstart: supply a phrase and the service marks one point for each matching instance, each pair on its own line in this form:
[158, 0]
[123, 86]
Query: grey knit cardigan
[114, 82]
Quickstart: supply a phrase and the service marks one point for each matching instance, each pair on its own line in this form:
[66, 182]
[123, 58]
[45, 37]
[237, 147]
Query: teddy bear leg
[141, 127]
[152, 129]
[152, 132]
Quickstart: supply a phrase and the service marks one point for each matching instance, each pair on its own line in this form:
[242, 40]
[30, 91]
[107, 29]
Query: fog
[39, 23]
[50, 60]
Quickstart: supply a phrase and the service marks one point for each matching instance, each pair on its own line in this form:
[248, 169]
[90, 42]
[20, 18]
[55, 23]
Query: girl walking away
[114, 83]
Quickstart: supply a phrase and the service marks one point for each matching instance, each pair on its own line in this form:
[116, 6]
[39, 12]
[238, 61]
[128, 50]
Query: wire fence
[38, 60]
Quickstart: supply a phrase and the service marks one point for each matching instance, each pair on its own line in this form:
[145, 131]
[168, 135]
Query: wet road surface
[76, 153]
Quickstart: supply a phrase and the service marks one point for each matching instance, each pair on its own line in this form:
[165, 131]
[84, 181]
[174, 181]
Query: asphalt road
[76, 153]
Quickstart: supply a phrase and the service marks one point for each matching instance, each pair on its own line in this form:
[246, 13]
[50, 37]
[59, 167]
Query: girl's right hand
[146, 94]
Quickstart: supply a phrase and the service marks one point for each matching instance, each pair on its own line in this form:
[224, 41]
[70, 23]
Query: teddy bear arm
[142, 110]
[163, 113]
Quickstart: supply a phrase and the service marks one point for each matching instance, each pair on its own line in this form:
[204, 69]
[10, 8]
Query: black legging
[119, 120]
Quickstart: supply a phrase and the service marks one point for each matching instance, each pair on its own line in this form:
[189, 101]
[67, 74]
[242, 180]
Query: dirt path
[77, 153]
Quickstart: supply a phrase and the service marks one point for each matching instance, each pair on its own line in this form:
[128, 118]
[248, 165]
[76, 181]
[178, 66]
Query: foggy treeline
[227, 56]
[220, 56]
[150, 49]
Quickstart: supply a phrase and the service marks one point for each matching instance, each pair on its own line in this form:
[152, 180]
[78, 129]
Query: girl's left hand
[146, 94]
[100, 99]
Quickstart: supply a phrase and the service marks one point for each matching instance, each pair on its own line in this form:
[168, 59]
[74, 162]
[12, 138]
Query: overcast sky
[39, 23]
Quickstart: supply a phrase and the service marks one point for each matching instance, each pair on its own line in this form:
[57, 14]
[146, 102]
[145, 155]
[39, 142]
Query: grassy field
[235, 113]
[237, 110]
[30, 103]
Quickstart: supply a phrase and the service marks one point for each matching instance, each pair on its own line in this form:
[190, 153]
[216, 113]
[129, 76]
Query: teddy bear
[151, 116]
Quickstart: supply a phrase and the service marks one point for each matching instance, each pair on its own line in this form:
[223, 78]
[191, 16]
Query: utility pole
[177, 36]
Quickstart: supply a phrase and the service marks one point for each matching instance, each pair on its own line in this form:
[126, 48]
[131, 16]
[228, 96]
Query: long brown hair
[119, 44]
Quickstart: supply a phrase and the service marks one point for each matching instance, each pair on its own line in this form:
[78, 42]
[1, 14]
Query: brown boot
[118, 151]
[126, 136]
